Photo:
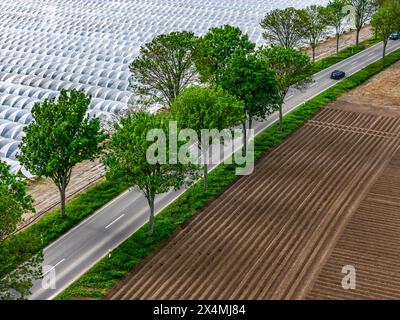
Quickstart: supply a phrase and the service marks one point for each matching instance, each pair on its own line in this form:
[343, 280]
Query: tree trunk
[244, 138]
[151, 219]
[280, 117]
[313, 53]
[62, 196]
[205, 169]
[358, 37]
[384, 49]
[337, 43]
[204, 148]
[62, 181]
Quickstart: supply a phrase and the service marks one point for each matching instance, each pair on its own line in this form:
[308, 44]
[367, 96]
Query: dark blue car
[395, 36]
[337, 75]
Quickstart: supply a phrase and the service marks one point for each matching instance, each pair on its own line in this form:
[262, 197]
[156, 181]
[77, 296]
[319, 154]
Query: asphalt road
[74, 253]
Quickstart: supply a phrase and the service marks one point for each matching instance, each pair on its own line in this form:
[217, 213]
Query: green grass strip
[109, 271]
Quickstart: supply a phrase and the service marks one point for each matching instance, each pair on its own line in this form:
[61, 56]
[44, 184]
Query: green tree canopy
[164, 67]
[386, 20]
[251, 80]
[14, 201]
[15, 280]
[199, 108]
[127, 158]
[314, 23]
[291, 67]
[363, 10]
[283, 26]
[60, 136]
[217, 47]
[336, 16]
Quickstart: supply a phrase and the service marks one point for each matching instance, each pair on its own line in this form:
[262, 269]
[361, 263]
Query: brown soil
[326, 197]
[381, 95]
[371, 240]
[371, 243]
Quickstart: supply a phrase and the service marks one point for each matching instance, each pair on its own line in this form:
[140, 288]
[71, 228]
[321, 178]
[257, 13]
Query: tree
[283, 26]
[127, 157]
[291, 67]
[217, 47]
[363, 10]
[60, 136]
[336, 16]
[15, 281]
[164, 67]
[14, 200]
[377, 3]
[314, 23]
[201, 108]
[251, 80]
[386, 21]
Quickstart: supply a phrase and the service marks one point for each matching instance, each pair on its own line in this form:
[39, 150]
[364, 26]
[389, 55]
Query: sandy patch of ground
[46, 195]
[380, 95]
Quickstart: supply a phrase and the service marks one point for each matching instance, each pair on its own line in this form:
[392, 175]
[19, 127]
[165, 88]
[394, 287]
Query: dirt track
[327, 197]
[46, 195]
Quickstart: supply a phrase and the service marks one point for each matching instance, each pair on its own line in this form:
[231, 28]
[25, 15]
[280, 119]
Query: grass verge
[105, 274]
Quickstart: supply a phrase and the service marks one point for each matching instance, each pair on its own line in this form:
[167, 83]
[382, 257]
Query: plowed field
[371, 243]
[315, 203]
